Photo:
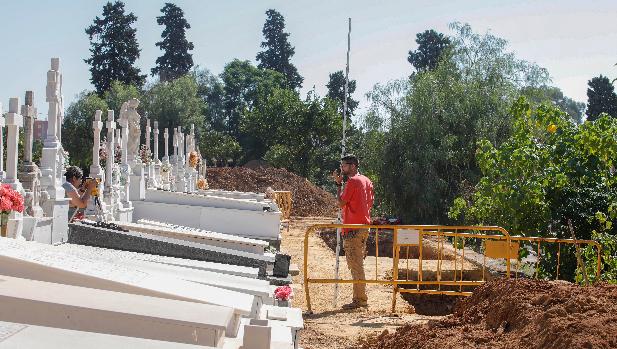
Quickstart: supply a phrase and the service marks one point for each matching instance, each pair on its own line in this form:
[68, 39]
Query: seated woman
[79, 200]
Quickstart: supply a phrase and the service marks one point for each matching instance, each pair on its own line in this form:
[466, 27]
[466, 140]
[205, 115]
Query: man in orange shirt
[356, 201]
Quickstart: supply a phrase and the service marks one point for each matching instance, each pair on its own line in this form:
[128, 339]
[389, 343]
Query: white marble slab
[222, 220]
[169, 197]
[14, 335]
[233, 194]
[197, 235]
[39, 262]
[120, 255]
[87, 309]
[255, 287]
[281, 337]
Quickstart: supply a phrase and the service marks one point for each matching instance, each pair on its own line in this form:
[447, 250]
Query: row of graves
[158, 260]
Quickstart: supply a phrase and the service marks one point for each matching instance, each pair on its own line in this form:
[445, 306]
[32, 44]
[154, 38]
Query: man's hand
[337, 177]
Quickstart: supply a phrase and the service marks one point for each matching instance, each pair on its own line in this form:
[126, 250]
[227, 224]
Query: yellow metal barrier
[497, 244]
[283, 201]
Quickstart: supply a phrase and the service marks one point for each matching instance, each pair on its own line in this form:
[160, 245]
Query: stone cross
[29, 113]
[14, 121]
[166, 137]
[126, 168]
[97, 126]
[147, 133]
[53, 99]
[109, 163]
[175, 142]
[156, 142]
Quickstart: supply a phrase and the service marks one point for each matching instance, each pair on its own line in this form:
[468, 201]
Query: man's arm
[341, 203]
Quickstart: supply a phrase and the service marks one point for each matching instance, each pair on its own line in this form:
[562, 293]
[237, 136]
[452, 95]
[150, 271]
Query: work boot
[354, 305]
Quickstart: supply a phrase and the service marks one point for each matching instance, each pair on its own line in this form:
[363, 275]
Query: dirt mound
[308, 199]
[518, 314]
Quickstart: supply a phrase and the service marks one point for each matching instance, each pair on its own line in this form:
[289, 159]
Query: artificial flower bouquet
[202, 183]
[10, 200]
[283, 293]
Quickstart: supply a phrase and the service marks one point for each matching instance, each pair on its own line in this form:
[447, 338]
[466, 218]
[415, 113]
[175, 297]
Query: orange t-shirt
[358, 195]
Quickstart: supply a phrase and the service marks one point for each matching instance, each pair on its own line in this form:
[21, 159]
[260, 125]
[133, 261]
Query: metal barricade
[496, 243]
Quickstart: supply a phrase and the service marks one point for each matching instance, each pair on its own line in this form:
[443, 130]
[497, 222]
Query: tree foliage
[278, 51]
[548, 172]
[175, 103]
[114, 48]
[77, 127]
[431, 46]
[554, 96]
[336, 91]
[243, 85]
[300, 135]
[176, 60]
[601, 98]
[433, 120]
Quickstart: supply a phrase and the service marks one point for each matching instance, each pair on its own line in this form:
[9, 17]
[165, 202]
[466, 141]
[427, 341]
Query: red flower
[10, 200]
[6, 204]
[283, 293]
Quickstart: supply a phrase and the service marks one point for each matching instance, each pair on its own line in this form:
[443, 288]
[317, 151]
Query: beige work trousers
[355, 251]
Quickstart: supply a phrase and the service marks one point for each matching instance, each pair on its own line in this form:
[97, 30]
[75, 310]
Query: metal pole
[338, 230]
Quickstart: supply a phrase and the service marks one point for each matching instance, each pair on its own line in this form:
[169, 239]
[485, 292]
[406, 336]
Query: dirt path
[329, 326]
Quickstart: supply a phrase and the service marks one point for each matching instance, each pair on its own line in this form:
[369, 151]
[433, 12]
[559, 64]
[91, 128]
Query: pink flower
[283, 293]
[6, 204]
[10, 200]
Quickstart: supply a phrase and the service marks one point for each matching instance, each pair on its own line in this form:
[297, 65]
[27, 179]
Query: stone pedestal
[137, 189]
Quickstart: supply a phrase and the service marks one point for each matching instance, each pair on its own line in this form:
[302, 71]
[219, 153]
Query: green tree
[77, 127]
[176, 60]
[278, 51]
[302, 136]
[433, 120]
[431, 45]
[211, 90]
[243, 84]
[114, 48]
[553, 95]
[119, 93]
[548, 172]
[175, 103]
[601, 98]
[336, 91]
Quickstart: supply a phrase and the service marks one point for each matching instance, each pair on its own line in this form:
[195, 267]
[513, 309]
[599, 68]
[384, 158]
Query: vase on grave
[4, 221]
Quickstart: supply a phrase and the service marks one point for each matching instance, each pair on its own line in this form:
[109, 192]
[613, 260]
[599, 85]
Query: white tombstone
[166, 138]
[101, 311]
[95, 168]
[180, 166]
[97, 125]
[109, 163]
[157, 162]
[53, 199]
[14, 121]
[125, 168]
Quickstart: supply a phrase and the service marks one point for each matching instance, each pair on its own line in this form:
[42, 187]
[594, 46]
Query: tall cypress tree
[336, 91]
[176, 61]
[278, 51]
[601, 98]
[114, 48]
[431, 45]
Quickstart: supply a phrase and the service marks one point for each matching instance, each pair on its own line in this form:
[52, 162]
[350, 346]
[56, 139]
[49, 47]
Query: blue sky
[574, 40]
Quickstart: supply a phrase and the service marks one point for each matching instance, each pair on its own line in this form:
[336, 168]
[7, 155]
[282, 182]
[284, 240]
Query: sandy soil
[330, 326]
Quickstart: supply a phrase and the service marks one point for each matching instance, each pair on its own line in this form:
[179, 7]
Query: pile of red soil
[308, 199]
[518, 314]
